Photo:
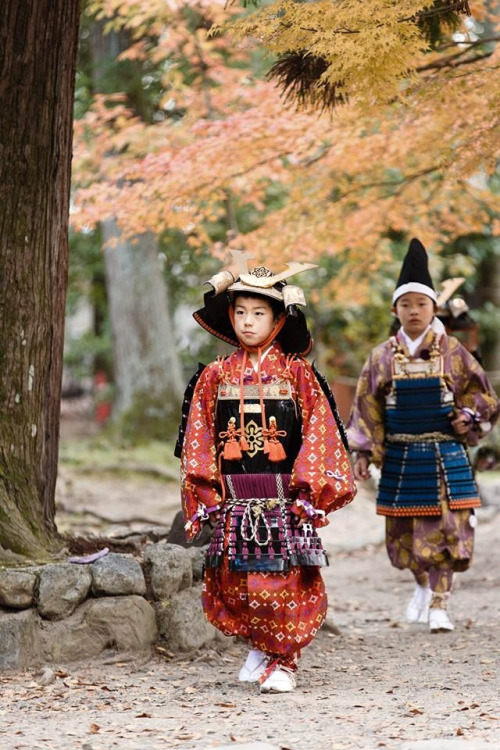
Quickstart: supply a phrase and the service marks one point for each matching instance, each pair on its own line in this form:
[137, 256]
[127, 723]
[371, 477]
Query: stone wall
[66, 612]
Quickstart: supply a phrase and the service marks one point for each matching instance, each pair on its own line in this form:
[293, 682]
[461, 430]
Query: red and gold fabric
[321, 472]
[279, 612]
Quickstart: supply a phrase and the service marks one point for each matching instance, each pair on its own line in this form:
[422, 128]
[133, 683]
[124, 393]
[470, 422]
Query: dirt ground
[380, 683]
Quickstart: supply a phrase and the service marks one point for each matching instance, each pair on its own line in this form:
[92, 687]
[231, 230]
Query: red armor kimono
[261, 454]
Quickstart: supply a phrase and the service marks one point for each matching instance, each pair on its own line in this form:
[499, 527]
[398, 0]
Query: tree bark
[489, 286]
[146, 364]
[38, 43]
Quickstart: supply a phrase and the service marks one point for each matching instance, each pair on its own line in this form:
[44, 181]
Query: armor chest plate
[278, 403]
[418, 405]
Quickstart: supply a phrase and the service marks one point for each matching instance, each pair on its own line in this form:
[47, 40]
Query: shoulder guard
[186, 405]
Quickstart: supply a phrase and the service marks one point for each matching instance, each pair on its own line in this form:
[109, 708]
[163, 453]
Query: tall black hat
[415, 276]
[214, 316]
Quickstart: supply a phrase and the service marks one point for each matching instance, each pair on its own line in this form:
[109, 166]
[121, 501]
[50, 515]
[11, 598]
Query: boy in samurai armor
[264, 460]
[420, 400]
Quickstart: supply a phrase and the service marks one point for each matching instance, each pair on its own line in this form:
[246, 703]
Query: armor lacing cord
[287, 373]
[202, 514]
[261, 399]
[250, 522]
[243, 440]
[423, 437]
[272, 446]
[222, 483]
[255, 509]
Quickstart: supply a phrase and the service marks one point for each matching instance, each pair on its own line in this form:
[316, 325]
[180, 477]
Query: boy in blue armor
[420, 400]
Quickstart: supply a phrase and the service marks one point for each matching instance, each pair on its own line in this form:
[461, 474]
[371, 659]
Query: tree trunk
[489, 286]
[147, 369]
[146, 363]
[38, 41]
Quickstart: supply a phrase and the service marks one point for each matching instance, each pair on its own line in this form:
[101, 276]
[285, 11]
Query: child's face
[415, 312]
[253, 320]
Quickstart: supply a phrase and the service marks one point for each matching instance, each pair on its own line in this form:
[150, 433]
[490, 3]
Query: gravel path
[379, 684]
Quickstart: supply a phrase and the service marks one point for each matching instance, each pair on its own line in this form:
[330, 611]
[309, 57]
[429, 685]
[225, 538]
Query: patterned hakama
[434, 545]
[279, 613]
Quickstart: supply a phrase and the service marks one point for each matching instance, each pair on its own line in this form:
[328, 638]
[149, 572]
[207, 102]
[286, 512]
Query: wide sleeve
[322, 480]
[474, 394]
[366, 425]
[200, 478]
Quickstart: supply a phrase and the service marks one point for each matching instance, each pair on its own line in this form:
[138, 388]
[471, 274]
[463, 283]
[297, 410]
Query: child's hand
[300, 517]
[213, 519]
[461, 424]
[361, 468]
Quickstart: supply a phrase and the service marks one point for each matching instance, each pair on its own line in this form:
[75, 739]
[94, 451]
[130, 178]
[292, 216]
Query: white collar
[262, 357]
[413, 345]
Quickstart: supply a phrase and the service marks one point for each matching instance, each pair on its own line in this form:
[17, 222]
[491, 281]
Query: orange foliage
[417, 165]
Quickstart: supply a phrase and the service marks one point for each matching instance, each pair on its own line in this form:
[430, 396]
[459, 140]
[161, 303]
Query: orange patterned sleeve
[322, 479]
[200, 478]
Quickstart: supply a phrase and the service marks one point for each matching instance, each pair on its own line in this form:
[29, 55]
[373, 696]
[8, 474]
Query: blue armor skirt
[422, 452]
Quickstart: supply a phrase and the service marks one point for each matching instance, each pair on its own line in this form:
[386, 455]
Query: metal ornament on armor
[262, 442]
[406, 367]
[220, 281]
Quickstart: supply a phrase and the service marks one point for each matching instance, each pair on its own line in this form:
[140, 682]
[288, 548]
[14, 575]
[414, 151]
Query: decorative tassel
[243, 443]
[275, 450]
[232, 450]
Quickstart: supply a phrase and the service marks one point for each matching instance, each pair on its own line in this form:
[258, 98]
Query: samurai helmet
[261, 281]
